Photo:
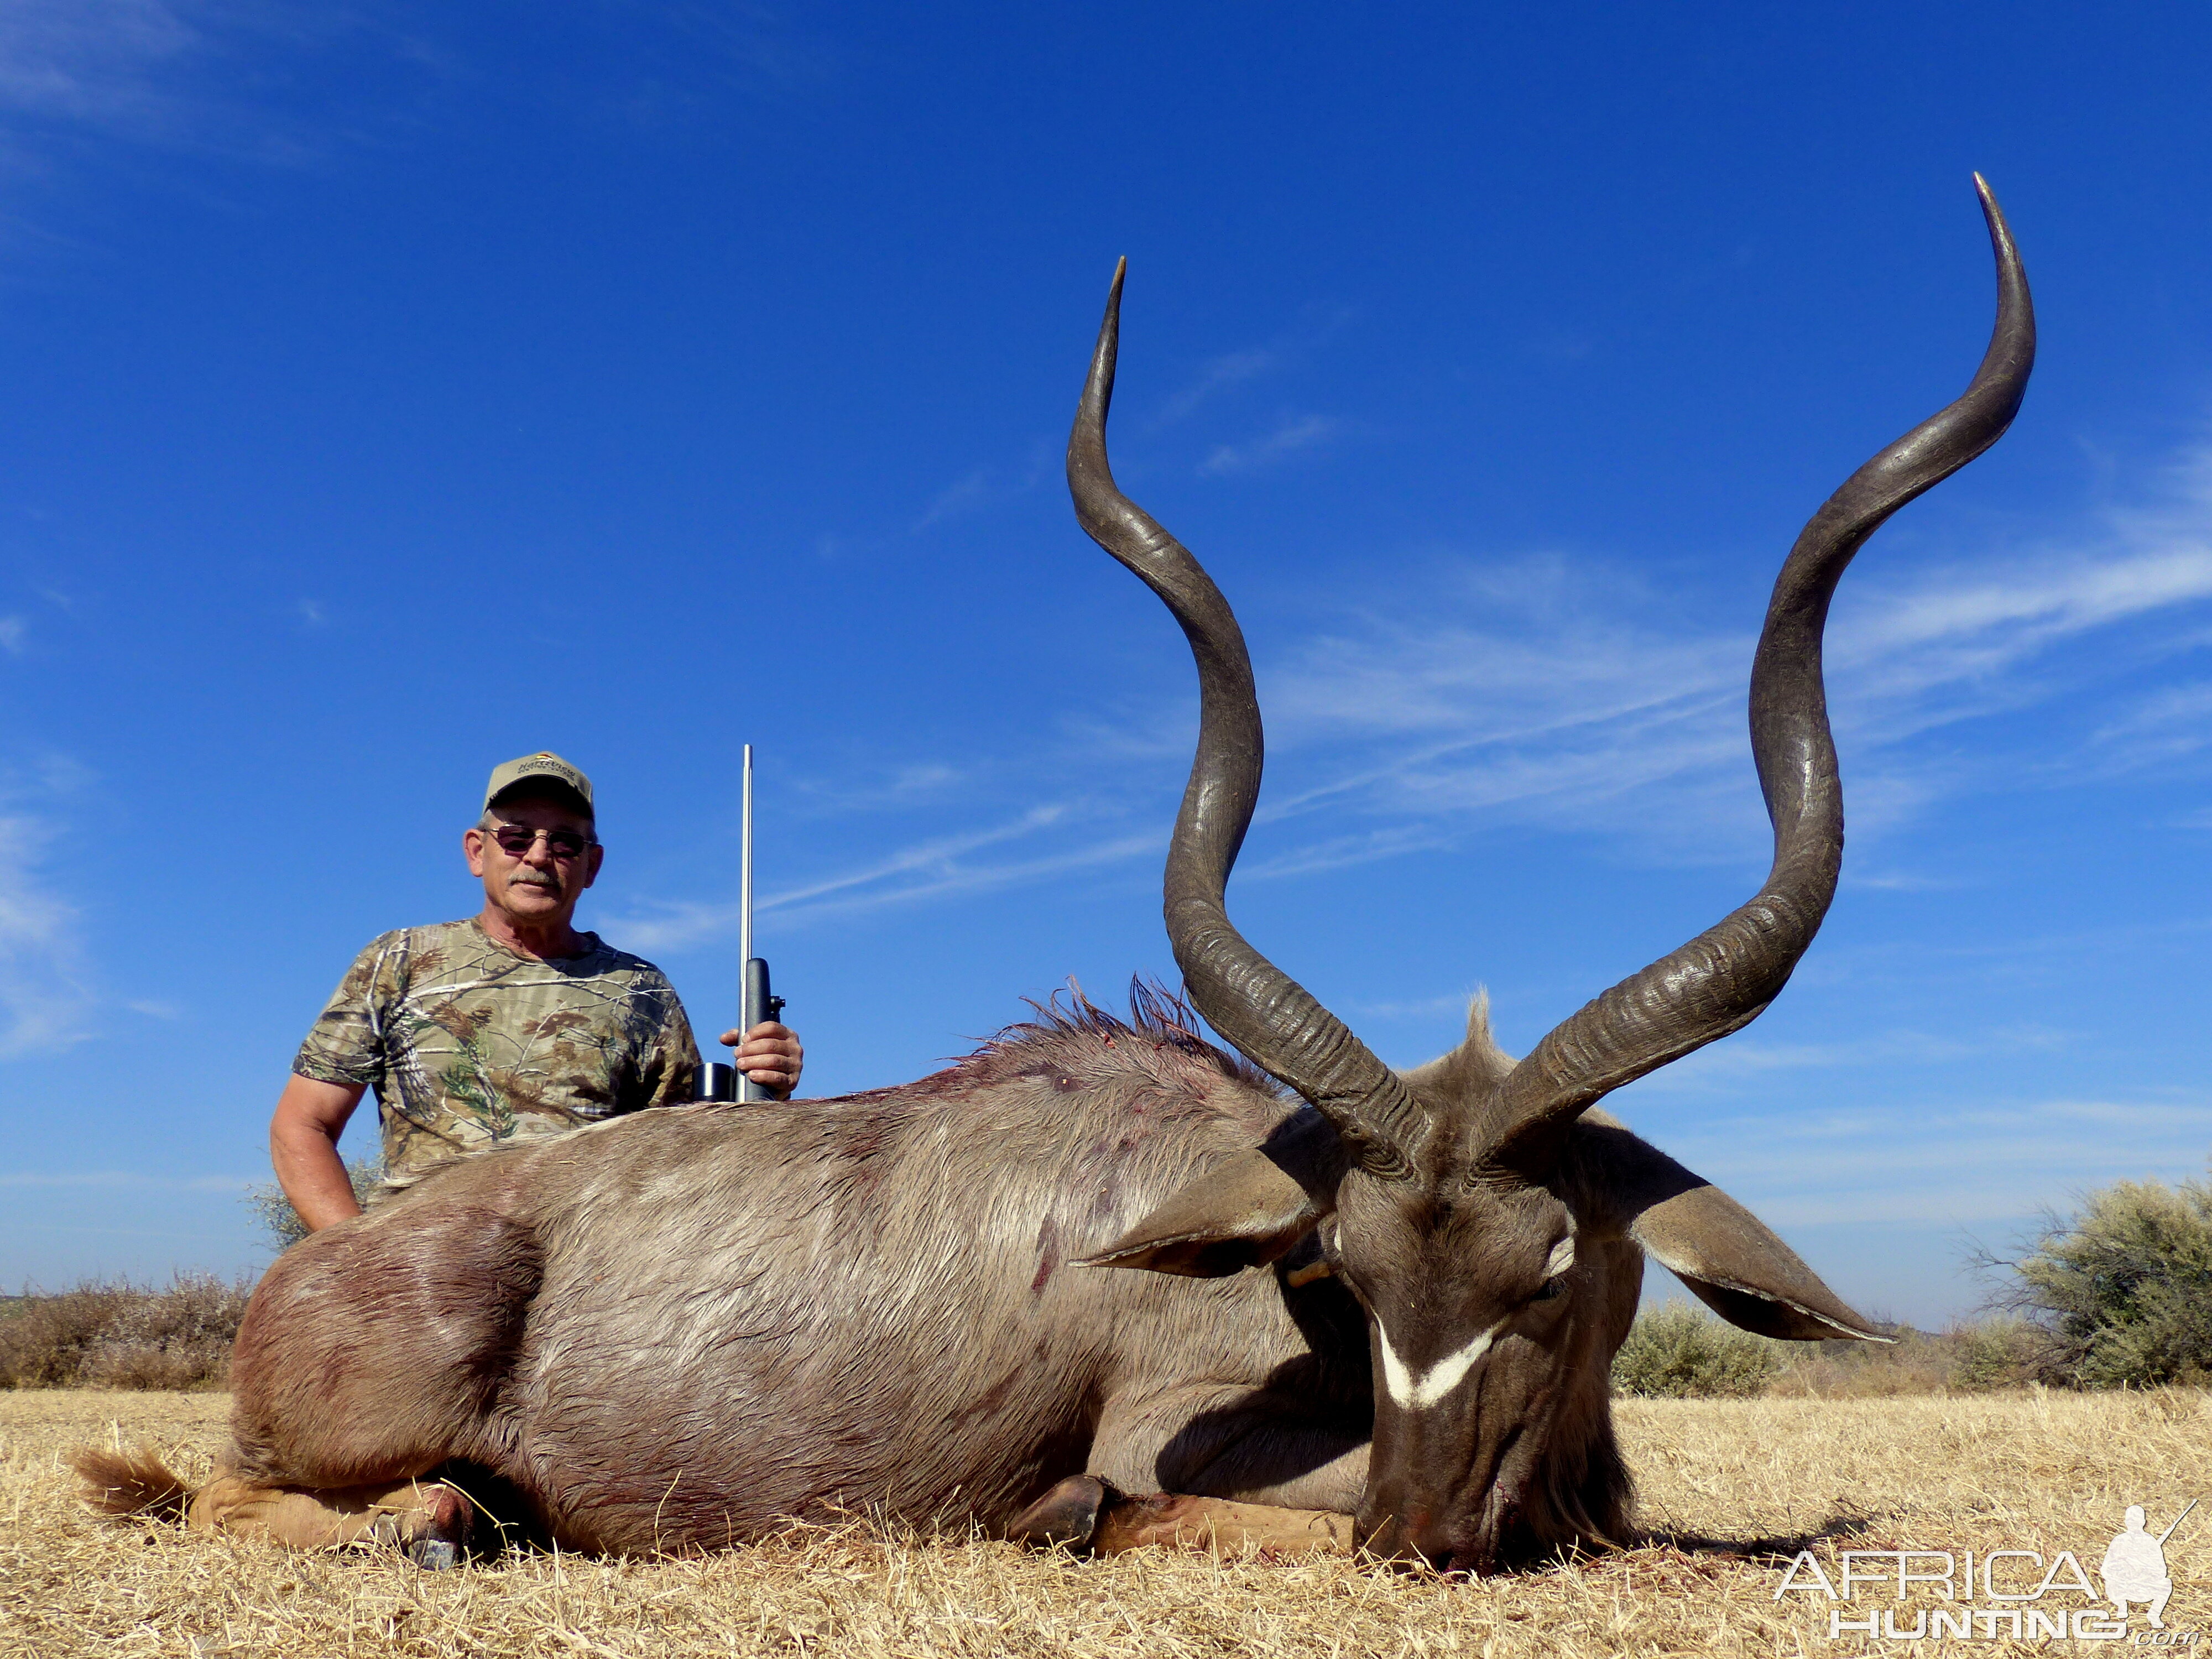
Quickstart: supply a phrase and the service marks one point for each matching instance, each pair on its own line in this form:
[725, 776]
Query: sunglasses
[516, 839]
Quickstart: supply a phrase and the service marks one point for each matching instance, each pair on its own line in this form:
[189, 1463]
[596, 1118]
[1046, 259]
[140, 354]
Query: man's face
[538, 887]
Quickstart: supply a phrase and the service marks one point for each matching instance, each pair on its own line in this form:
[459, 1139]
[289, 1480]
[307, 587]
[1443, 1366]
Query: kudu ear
[1244, 1211]
[1619, 1182]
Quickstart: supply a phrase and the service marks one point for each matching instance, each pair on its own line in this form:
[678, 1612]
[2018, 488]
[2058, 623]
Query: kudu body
[1392, 1293]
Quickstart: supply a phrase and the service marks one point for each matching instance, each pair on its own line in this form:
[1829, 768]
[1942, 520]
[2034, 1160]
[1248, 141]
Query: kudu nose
[1448, 1553]
[1417, 1541]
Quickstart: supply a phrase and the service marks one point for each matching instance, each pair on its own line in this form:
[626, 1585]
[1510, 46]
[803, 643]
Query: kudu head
[1485, 1218]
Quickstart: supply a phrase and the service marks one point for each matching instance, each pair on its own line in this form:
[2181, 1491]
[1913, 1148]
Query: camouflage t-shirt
[468, 1044]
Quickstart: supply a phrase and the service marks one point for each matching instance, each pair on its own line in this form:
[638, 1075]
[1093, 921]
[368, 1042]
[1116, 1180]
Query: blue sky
[392, 388]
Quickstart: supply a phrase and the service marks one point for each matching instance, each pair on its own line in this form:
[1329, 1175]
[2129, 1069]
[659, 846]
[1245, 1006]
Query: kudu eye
[1554, 1288]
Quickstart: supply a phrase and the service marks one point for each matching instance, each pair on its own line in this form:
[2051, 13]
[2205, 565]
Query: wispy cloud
[45, 999]
[1995, 617]
[963, 495]
[1454, 1003]
[957, 879]
[14, 630]
[892, 789]
[1569, 694]
[1290, 435]
[718, 46]
[1747, 1059]
[1226, 372]
[2174, 721]
[128, 1180]
[1959, 1166]
[181, 73]
[1898, 881]
[1532, 712]
[989, 486]
[92, 62]
[936, 856]
[1337, 852]
[937, 868]
[1583, 696]
[230, 77]
[1232, 369]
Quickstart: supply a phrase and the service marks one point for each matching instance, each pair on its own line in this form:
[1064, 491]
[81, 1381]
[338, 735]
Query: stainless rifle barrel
[745, 873]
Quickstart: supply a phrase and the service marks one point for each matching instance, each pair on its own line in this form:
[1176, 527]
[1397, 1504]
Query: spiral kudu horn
[1268, 1015]
[1723, 979]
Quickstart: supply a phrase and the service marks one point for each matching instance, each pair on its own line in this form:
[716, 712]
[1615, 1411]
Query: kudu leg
[1251, 1446]
[1091, 1516]
[1219, 1523]
[1246, 1471]
[429, 1519]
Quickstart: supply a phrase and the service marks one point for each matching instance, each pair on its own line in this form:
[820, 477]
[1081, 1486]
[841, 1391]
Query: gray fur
[681, 1329]
[678, 1330]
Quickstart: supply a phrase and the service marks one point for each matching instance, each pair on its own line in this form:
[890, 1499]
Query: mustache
[550, 884]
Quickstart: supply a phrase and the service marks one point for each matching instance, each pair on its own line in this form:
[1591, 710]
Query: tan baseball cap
[541, 769]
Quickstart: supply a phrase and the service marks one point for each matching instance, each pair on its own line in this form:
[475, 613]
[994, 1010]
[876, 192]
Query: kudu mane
[1077, 1038]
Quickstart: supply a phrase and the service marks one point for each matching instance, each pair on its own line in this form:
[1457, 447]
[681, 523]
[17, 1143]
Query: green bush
[2122, 1290]
[275, 1210]
[1679, 1352]
[113, 1335]
[2007, 1351]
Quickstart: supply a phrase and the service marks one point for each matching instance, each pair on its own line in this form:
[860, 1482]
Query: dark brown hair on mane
[1163, 1018]
[1160, 1020]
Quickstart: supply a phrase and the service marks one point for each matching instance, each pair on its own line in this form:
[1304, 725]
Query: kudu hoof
[439, 1540]
[1066, 1517]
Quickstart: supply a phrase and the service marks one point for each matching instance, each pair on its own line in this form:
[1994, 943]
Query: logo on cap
[544, 764]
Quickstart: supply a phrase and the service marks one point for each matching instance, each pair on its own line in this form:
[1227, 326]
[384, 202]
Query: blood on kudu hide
[1105, 1246]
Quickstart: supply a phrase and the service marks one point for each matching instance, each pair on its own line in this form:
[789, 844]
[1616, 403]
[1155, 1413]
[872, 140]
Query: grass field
[1729, 1491]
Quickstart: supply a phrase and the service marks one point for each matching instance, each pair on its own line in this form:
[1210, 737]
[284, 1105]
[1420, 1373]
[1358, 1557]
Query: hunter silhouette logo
[2135, 1565]
[2001, 1595]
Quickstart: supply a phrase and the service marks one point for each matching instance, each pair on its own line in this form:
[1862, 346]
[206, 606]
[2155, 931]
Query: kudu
[1393, 1293]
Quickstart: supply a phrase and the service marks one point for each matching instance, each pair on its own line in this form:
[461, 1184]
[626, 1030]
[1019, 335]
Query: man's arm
[303, 1145]
[769, 1055]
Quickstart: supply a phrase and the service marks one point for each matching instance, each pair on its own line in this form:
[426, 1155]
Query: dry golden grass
[1730, 1488]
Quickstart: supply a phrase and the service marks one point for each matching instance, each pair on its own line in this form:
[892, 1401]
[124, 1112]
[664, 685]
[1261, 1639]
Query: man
[509, 1025]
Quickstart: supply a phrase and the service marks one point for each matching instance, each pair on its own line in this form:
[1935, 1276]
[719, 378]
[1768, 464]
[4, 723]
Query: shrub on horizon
[2005, 1351]
[2121, 1290]
[104, 1334]
[1676, 1352]
[275, 1212]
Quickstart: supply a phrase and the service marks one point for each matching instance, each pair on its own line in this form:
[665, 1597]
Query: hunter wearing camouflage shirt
[505, 1027]
[468, 1044]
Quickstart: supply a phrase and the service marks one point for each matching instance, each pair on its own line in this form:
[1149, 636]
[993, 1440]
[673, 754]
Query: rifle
[2177, 1519]
[755, 1004]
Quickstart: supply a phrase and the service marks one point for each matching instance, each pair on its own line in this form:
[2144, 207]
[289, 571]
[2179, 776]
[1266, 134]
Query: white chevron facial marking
[1562, 1257]
[1415, 1394]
